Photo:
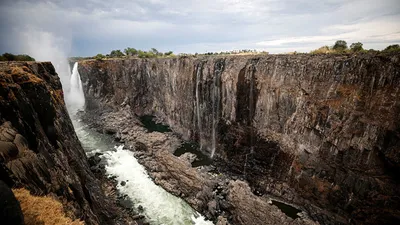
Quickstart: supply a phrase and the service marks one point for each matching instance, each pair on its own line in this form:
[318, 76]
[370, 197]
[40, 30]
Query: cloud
[88, 27]
[373, 33]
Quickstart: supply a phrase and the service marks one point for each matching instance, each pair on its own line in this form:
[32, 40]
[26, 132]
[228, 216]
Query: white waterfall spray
[215, 109]
[75, 98]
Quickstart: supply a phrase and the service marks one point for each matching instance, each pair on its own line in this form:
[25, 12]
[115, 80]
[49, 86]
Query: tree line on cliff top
[340, 46]
[12, 57]
[132, 52]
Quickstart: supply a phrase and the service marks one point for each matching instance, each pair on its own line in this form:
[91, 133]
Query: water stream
[151, 125]
[194, 148]
[289, 210]
[159, 206]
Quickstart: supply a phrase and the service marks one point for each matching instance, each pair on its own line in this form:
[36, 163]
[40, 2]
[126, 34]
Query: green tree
[356, 47]
[116, 54]
[168, 53]
[9, 56]
[340, 45]
[99, 57]
[23, 58]
[12, 57]
[390, 48]
[144, 54]
[130, 51]
[155, 52]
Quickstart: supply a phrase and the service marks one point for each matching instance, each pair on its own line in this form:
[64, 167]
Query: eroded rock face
[320, 129]
[250, 209]
[38, 146]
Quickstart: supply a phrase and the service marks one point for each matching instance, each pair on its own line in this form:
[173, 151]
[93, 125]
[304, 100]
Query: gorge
[318, 131]
[246, 139]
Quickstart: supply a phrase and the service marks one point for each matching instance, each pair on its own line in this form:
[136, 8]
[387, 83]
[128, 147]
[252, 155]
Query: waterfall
[198, 110]
[215, 107]
[251, 110]
[75, 98]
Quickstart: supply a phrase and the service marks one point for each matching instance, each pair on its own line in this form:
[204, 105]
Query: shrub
[116, 54]
[356, 47]
[340, 45]
[144, 54]
[130, 51]
[391, 48]
[12, 57]
[23, 58]
[99, 57]
[170, 53]
[322, 50]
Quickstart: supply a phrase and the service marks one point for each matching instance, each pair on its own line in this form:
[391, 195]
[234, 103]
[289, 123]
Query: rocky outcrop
[38, 146]
[320, 131]
[252, 210]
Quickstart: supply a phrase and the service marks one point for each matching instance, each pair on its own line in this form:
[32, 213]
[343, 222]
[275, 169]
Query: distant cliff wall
[327, 126]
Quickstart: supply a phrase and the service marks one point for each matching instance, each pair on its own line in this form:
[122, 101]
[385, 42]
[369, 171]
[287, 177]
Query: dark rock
[138, 217]
[10, 209]
[212, 207]
[140, 147]
[280, 120]
[40, 149]
[94, 160]
[117, 137]
[225, 205]
[123, 183]
[110, 131]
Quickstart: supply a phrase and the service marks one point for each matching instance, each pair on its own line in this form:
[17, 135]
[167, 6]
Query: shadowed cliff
[320, 129]
[39, 149]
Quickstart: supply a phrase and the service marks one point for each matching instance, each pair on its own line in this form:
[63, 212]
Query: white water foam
[160, 207]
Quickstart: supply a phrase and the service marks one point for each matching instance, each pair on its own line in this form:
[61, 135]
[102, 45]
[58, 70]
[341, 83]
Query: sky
[88, 27]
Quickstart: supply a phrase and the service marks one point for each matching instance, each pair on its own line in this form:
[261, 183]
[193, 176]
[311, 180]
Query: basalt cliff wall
[317, 130]
[39, 149]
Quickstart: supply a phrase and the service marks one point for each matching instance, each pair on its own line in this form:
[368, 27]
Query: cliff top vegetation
[339, 47]
[11, 57]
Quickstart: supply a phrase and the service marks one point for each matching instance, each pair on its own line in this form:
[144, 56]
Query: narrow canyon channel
[157, 205]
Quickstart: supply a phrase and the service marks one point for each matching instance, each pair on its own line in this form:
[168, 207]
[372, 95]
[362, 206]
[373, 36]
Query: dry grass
[42, 210]
[323, 50]
[25, 72]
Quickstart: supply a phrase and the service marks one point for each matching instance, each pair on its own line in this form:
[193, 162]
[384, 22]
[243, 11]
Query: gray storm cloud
[46, 29]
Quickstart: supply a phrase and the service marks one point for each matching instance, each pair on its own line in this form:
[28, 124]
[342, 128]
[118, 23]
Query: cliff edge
[39, 149]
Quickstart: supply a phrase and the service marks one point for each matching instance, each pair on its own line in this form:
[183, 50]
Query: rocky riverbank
[212, 193]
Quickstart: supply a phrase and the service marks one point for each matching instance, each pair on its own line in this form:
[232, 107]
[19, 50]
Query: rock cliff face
[38, 146]
[322, 131]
